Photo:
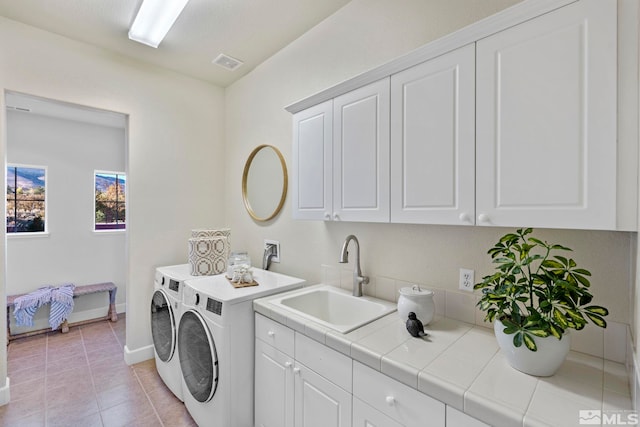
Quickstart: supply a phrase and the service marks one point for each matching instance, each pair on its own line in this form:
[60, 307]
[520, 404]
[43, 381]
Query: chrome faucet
[358, 278]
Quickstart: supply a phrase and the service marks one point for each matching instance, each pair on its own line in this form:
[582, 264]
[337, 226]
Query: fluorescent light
[154, 20]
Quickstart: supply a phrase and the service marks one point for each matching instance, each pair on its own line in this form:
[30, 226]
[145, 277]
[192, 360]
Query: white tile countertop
[460, 364]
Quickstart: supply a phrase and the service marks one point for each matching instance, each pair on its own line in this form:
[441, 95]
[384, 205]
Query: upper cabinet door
[433, 141]
[312, 162]
[361, 154]
[546, 121]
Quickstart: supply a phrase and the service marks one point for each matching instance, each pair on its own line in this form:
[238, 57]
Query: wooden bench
[78, 291]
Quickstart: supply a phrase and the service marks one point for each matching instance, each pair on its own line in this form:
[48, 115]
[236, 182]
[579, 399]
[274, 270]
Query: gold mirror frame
[245, 175]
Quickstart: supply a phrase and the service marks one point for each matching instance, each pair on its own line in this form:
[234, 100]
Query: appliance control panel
[174, 285]
[214, 306]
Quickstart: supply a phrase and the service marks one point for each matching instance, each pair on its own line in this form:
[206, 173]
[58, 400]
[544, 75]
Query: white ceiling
[248, 30]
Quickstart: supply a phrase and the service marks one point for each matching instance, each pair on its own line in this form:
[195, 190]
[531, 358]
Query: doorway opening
[60, 158]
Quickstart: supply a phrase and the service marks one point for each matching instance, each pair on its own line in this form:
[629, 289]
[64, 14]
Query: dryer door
[163, 326]
[198, 356]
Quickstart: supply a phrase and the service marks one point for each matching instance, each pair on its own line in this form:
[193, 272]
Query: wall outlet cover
[466, 279]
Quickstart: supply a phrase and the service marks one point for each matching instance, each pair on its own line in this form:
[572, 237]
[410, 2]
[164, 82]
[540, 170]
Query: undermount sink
[335, 308]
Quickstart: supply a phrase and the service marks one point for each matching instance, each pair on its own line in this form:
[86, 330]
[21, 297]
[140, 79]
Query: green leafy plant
[535, 293]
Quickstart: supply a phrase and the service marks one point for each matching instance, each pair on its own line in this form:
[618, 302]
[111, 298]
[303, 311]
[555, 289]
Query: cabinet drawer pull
[390, 400]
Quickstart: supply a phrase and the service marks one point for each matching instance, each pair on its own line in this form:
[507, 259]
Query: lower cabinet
[319, 402]
[404, 405]
[274, 387]
[290, 393]
[456, 418]
[367, 416]
[302, 383]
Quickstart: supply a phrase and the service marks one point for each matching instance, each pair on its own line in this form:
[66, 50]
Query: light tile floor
[80, 379]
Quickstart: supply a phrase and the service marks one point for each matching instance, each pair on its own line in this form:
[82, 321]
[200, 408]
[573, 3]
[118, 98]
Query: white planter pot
[542, 363]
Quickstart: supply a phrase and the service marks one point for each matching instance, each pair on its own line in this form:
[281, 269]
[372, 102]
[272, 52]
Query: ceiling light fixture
[154, 20]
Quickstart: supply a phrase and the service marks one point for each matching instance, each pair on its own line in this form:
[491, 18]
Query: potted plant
[534, 298]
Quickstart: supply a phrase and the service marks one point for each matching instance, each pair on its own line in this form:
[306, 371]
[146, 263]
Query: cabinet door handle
[327, 216]
[390, 400]
[288, 364]
[271, 334]
[296, 371]
[483, 218]
[336, 217]
[465, 217]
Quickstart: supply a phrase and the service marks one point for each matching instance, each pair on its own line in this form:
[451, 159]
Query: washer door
[198, 356]
[163, 326]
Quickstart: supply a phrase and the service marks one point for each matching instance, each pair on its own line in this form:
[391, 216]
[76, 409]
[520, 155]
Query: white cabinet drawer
[456, 418]
[366, 416]
[275, 334]
[334, 366]
[403, 404]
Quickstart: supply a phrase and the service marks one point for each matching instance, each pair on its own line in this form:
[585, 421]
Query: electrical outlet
[276, 257]
[466, 279]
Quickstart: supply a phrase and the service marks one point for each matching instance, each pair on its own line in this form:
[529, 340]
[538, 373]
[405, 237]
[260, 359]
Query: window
[110, 207]
[26, 199]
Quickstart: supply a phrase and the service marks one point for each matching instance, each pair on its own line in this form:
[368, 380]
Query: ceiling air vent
[225, 61]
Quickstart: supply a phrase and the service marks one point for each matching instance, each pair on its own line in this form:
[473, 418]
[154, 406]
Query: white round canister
[418, 300]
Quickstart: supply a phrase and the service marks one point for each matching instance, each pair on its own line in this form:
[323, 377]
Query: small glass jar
[418, 300]
[238, 259]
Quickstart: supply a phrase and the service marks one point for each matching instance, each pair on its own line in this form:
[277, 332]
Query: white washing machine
[216, 346]
[166, 308]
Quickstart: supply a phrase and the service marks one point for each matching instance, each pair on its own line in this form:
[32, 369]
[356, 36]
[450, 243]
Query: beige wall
[362, 35]
[178, 152]
[174, 155]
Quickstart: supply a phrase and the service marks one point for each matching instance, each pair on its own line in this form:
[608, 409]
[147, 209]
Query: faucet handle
[364, 280]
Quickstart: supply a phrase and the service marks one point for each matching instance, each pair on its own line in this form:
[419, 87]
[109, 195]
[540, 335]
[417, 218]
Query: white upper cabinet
[546, 121]
[528, 118]
[361, 154]
[433, 141]
[312, 162]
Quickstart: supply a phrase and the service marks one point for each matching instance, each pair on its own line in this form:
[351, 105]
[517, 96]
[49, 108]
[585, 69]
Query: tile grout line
[135, 373]
[93, 383]
[146, 394]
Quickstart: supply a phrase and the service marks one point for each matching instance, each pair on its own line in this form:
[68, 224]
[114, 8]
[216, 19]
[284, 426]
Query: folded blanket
[25, 306]
[61, 304]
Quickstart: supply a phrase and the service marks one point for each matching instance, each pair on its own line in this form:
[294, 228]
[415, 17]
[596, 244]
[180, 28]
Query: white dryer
[216, 346]
[166, 309]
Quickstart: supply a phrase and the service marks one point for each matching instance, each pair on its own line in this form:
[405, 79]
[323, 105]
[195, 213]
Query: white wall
[362, 35]
[71, 252]
[175, 156]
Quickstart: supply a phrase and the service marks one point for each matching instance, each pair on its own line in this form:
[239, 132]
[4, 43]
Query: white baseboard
[4, 393]
[131, 357]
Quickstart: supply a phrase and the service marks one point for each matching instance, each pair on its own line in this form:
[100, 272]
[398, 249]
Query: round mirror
[264, 183]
